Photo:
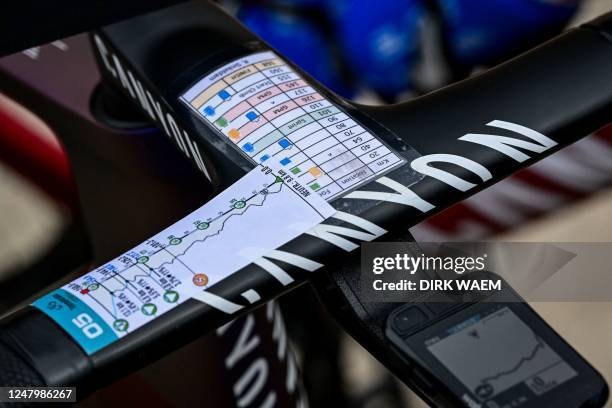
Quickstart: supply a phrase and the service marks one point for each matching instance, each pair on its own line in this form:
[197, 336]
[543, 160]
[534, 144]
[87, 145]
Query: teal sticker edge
[79, 320]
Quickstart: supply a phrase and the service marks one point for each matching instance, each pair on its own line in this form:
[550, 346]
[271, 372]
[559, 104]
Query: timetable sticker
[270, 113]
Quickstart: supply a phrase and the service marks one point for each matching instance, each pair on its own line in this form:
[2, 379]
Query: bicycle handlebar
[561, 88]
[16, 371]
[31, 23]
[475, 133]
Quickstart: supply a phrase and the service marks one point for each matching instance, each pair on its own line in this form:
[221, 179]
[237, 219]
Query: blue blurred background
[394, 49]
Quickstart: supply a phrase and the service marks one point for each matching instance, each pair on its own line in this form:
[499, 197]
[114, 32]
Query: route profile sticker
[260, 212]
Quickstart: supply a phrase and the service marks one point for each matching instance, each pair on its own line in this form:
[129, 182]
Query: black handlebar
[562, 89]
[16, 371]
[31, 23]
[530, 107]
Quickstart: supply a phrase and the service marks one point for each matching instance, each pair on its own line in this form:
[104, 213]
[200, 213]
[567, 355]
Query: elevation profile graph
[496, 352]
[257, 214]
[152, 277]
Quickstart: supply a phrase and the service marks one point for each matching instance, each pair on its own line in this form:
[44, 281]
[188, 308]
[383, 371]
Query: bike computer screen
[496, 355]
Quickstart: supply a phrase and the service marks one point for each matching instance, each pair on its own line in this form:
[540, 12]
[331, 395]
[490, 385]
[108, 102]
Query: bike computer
[495, 352]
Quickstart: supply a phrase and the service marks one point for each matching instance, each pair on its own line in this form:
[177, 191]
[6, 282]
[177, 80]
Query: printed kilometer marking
[270, 112]
[257, 214]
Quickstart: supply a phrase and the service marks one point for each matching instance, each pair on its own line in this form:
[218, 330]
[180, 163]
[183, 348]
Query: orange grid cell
[315, 171]
[234, 134]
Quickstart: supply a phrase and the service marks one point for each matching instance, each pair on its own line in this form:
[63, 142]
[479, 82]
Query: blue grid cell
[248, 147]
[223, 94]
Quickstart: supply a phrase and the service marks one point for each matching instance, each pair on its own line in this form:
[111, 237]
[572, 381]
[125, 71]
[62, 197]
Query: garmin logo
[153, 107]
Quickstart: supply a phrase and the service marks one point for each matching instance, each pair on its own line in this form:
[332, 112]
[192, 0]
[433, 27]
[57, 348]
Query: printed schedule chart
[271, 113]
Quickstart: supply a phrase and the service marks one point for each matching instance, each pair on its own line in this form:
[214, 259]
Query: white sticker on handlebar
[260, 212]
[270, 112]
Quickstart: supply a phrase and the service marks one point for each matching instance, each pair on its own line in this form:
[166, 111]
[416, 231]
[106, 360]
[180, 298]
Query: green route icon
[171, 296]
[142, 259]
[203, 225]
[148, 309]
[239, 204]
[175, 241]
[93, 286]
[121, 325]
